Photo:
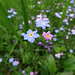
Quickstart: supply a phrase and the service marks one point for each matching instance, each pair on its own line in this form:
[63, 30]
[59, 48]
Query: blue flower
[15, 63]
[56, 31]
[54, 39]
[55, 35]
[31, 35]
[71, 51]
[42, 23]
[9, 16]
[1, 59]
[61, 28]
[11, 60]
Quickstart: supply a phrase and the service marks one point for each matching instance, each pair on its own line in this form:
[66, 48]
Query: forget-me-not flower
[11, 60]
[42, 23]
[1, 59]
[31, 35]
[15, 63]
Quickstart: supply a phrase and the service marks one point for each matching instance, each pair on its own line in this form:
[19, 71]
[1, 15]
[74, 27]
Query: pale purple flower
[15, 63]
[56, 31]
[58, 55]
[31, 73]
[9, 16]
[1, 59]
[11, 60]
[71, 51]
[54, 39]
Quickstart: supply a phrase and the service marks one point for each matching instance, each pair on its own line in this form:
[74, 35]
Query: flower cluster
[13, 61]
[12, 12]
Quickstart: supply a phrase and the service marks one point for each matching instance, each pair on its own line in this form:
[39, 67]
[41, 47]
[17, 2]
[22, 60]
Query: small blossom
[15, 63]
[46, 47]
[56, 31]
[50, 43]
[40, 43]
[58, 55]
[54, 39]
[11, 60]
[67, 37]
[71, 51]
[47, 35]
[31, 35]
[1, 59]
[9, 16]
[42, 23]
[31, 73]
[23, 71]
[73, 32]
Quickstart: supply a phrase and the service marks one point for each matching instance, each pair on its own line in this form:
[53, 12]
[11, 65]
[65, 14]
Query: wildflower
[46, 47]
[55, 35]
[36, 72]
[50, 43]
[54, 39]
[14, 13]
[31, 35]
[51, 47]
[40, 43]
[31, 73]
[65, 20]
[58, 55]
[67, 37]
[71, 15]
[71, 51]
[23, 71]
[20, 26]
[67, 23]
[1, 59]
[47, 35]
[73, 32]
[61, 53]
[61, 28]
[22, 34]
[42, 23]
[69, 33]
[9, 16]
[58, 15]
[15, 63]
[5, 56]
[56, 31]
[11, 60]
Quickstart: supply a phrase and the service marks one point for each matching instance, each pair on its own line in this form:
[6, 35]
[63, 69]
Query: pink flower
[61, 53]
[47, 35]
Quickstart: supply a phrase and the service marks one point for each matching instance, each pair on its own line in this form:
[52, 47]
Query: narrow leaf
[23, 6]
[51, 65]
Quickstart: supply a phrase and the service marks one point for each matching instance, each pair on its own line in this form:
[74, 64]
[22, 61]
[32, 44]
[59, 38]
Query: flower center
[48, 35]
[43, 23]
[31, 34]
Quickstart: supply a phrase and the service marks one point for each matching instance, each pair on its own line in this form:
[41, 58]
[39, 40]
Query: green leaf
[57, 49]
[65, 73]
[63, 48]
[51, 65]
[23, 6]
[69, 64]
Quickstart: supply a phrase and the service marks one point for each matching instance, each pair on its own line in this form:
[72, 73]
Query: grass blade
[4, 20]
[64, 11]
[26, 26]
